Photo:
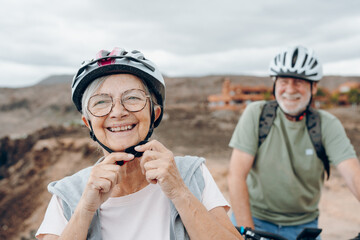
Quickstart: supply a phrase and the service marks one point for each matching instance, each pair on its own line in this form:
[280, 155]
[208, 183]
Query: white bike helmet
[119, 61]
[296, 62]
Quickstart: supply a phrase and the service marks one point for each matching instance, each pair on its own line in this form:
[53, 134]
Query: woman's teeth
[122, 128]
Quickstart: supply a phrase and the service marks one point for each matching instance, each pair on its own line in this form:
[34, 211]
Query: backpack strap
[267, 118]
[313, 124]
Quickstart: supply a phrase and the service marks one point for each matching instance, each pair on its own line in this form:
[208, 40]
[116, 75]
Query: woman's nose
[118, 109]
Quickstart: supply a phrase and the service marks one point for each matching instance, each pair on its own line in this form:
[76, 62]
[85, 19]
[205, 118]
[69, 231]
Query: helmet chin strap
[130, 149]
[298, 117]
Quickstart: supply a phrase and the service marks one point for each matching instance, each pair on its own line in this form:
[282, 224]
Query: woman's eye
[101, 102]
[133, 98]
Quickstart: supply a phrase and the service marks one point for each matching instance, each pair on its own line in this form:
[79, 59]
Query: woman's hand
[103, 177]
[158, 166]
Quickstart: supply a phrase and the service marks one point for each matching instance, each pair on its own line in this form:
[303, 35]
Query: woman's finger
[106, 172]
[156, 164]
[148, 156]
[102, 185]
[152, 145]
[109, 167]
[117, 156]
[151, 176]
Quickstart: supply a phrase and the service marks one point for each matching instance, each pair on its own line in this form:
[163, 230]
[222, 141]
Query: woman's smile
[119, 136]
[121, 128]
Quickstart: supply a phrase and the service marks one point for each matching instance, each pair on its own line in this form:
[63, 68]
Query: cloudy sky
[184, 38]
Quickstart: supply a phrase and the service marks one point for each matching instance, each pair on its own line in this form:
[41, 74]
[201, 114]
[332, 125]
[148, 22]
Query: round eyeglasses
[133, 100]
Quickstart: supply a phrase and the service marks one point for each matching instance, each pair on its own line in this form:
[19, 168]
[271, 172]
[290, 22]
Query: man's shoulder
[329, 122]
[326, 115]
[256, 104]
[255, 107]
[327, 118]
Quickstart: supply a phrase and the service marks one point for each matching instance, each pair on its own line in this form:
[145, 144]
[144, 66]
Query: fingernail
[137, 148]
[131, 156]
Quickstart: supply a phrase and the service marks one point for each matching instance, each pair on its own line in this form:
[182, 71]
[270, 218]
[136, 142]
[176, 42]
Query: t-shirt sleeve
[336, 143]
[54, 221]
[212, 196]
[246, 133]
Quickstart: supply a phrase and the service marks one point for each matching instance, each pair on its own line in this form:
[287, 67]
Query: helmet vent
[314, 65]
[306, 56]
[294, 58]
[311, 60]
[284, 58]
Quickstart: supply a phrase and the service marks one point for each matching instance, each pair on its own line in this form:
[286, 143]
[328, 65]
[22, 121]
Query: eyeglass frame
[121, 102]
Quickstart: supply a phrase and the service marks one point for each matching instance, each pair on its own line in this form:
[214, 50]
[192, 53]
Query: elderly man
[283, 148]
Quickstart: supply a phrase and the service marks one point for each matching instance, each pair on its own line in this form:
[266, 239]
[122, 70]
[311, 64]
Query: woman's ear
[83, 118]
[157, 111]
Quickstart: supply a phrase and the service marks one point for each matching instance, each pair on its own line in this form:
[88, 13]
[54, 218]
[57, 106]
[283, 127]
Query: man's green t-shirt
[286, 178]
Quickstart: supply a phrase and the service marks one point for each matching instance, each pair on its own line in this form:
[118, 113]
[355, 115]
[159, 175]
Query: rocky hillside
[24, 110]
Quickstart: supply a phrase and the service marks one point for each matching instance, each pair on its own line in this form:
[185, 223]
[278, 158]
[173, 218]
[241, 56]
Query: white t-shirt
[142, 215]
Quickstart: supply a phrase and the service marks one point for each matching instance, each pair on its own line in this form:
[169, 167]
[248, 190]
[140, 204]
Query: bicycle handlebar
[250, 233]
[306, 234]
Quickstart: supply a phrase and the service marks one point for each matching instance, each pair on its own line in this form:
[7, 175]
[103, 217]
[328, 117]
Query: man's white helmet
[296, 62]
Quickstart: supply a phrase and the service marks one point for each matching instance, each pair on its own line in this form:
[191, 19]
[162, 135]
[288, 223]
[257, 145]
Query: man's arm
[240, 165]
[350, 171]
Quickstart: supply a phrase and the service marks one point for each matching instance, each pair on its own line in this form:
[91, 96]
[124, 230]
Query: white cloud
[347, 67]
[237, 61]
[184, 38]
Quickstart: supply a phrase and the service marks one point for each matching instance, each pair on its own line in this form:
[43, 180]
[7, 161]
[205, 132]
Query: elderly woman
[138, 189]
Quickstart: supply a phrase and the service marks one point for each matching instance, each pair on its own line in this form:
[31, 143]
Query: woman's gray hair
[89, 91]
[94, 86]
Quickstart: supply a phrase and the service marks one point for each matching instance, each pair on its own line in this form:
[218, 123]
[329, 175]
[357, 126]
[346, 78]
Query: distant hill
[38, 106]
[333, 82]
[330, 82]
[56, 79]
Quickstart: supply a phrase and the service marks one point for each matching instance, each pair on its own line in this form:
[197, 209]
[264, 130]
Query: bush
[320, 92]
[335, 98]
[354, 96]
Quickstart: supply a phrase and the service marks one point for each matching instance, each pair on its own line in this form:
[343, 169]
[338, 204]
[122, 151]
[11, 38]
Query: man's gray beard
[297, 111]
